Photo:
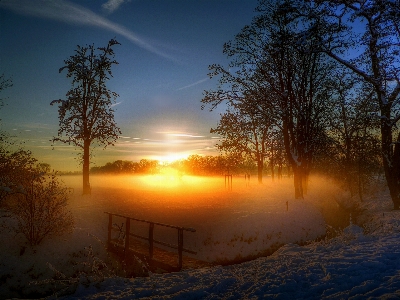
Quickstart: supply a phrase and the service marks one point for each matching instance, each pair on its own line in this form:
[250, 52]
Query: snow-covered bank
[259, 233]
[367, 267]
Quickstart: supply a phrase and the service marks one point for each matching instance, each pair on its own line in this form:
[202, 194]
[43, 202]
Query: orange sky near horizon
[168, 148]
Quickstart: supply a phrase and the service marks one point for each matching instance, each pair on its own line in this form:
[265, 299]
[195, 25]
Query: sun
[171, 157]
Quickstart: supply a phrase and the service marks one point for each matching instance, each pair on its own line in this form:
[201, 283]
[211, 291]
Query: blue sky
[167, 46]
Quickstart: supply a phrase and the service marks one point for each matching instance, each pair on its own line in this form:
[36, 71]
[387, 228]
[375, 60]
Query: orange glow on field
[168, 178]
[172, 179]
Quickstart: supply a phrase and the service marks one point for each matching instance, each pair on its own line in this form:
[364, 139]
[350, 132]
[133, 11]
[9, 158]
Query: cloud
[179, 134]
[193, 84]
[112, 5]
[115, 104]
[185, 135]
[67, 12]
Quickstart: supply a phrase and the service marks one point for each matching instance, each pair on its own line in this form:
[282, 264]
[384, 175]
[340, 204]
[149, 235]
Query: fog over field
[230, 224]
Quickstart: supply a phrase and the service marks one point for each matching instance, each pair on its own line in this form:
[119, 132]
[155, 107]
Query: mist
[231, 224]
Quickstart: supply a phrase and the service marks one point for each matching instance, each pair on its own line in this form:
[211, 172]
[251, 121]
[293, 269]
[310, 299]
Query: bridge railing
[150, 236]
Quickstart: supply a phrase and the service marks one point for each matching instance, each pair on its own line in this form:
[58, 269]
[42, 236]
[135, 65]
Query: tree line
[193, 165]
[320, 80]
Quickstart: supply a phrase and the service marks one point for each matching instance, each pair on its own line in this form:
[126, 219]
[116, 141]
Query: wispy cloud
[67, 12]
[115, 104]
[185, 135]
[193, 84]
[180, 134]
[112, 5]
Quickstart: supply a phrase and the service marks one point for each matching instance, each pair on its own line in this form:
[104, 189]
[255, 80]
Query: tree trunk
[390, 156]
[280, 171]
[396, 174]
[272, 162]
[304, 181]
[86, 190]
[259, 170]
[391, 164]
[298, 183]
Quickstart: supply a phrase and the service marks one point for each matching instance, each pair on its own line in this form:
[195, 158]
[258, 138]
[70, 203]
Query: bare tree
[370, 31]
[353, 132]
[86, 116]
[244, 132]
[273, 63]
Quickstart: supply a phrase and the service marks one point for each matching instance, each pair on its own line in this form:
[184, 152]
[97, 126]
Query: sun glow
[170, 179]
[170, 158]
[167, 178]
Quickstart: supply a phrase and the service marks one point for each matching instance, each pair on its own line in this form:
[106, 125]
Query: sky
[166, 48]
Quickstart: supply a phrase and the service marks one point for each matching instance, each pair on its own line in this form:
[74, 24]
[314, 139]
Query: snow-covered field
[230, 225]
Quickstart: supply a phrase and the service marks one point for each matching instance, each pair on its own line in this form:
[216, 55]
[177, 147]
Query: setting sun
[171, 157]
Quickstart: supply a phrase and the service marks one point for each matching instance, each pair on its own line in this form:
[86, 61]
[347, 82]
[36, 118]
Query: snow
[353, 269]
[359, 263]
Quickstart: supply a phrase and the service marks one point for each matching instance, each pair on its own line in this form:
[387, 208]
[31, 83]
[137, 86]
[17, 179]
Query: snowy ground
[359, 268]
[354, 264]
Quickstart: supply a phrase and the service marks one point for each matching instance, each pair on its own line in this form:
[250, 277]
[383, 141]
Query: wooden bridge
[129, 244]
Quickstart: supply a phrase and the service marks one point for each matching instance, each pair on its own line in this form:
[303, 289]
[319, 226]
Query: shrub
[40, 208]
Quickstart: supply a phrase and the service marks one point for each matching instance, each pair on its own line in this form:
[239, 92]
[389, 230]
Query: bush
[37, 201]
[40, 208]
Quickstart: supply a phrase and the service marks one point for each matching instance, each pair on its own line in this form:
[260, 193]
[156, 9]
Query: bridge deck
[162, 259]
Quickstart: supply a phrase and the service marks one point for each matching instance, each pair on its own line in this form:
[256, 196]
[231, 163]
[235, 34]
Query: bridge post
[180, 247]
[151, 244]
[127, 234]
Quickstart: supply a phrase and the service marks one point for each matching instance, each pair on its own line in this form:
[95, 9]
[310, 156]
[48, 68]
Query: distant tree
[275, 152]
[147, 166]
[87, 116]
[116, 167]
[244, 132]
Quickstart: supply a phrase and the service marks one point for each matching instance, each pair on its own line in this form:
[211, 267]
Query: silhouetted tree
[274, 67]
[369, 30]
[245, 133]
[353, 129]
[147, 166]
[116, 167]
[87, 116]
